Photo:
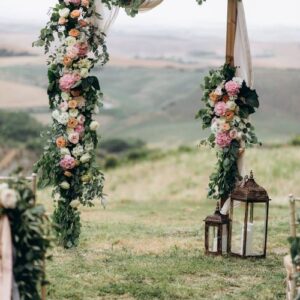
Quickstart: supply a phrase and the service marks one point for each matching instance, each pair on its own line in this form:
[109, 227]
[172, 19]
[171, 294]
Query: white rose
[214, 127]
[65, 185]
[75, 203]
[77, 151]
[73, 113]
[84, 72]
[85, 158]
[64, 12]
[8, 198]
[55, 115]
[89, 147]
[63, 118]
[231, 105]
[65, 96]
[94, 125]
[218, 91]
[70, 41]
[64, 151]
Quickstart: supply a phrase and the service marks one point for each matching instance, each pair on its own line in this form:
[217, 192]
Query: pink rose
[74, 137]
[223, 139]
[75, 2]
[81, 119]
[82, 49]
[79, 128]
[63, 106]
[72, 52]
[232, 88]
[68, 80]
[220, 108]
[68, 162]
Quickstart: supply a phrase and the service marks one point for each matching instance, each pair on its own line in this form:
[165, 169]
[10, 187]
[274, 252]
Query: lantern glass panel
[213, 239]
[237, 219]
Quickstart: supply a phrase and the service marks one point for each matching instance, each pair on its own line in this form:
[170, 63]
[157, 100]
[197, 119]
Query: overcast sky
[171, 13]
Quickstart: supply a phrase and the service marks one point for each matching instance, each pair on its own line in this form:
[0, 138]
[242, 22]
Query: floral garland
[68, 162]
[228, 103]
[30, 229]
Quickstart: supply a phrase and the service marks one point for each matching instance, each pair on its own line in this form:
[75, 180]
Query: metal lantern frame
[249, 193]
[218, 221]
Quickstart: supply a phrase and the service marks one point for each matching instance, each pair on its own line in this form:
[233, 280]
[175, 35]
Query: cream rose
[75, 203]
[64, 12]
[65, 185]
[85, 158]
[8, 198]
[94, 125]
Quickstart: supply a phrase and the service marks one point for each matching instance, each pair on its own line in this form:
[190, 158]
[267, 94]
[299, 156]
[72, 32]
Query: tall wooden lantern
[216, 233]
[249, 219]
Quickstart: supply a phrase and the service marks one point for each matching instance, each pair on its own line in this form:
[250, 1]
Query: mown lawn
[148, 243]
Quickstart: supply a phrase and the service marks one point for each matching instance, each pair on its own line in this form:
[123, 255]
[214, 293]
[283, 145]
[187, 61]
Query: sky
[170, 14]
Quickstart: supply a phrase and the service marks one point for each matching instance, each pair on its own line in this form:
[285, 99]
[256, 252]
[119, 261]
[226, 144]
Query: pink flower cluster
[220, 109]
[67, 81]
[232, 88]
[78, 50]
[223, 139]
[68, 162]
[75, 2]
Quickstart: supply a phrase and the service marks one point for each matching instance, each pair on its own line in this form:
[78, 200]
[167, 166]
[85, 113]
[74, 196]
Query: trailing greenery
[228, 104]
[30, 233]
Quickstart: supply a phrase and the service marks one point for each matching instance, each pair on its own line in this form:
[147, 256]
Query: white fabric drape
[108, 16]
[242, 60]
[149, 4]
[6, 259]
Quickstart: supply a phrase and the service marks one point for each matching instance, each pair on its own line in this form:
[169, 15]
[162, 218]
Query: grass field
[148, 243]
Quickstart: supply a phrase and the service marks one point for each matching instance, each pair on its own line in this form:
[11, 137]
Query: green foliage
[295, 141]
[30, 231]
[118, 145]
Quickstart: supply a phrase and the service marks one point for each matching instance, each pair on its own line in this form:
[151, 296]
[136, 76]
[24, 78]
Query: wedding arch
[75, 40]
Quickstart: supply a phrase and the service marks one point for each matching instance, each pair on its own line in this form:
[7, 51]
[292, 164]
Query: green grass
[148, 243]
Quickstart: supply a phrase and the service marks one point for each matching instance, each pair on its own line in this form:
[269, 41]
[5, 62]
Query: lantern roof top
[217, 217]
[249, 191]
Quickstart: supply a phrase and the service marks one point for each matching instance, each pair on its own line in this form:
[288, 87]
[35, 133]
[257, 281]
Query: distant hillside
[159, 105]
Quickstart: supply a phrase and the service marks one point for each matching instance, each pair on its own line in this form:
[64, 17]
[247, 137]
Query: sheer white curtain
[149, 4]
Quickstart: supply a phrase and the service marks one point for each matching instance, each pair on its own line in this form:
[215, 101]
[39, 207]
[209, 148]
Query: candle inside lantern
[215, 244]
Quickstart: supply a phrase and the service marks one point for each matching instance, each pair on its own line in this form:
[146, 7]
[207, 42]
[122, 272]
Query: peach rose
[85, 3]
[72, 123]
[61, 142]
[229, 115]
[67, 61]
[213, 97]
[72, 104]
[68, 174]
[74, 32]
[83, 23]
[62, 21]
[225, 127]
[75, 14]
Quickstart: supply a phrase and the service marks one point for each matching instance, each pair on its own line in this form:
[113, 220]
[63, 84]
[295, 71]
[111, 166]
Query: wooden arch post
[231, 30]
[230, 39]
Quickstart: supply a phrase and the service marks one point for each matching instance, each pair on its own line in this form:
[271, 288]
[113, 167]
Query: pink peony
[63, 106]
[82, 49]
[68, 162]
[232, 88]
[74, 137]
[220, 109]
[68, 80]
[223, 139]
[75, 2]
[79, 128]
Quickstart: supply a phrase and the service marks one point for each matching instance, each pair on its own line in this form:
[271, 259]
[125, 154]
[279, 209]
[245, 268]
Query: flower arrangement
[29, 228]
[68, 162]
[228, 104]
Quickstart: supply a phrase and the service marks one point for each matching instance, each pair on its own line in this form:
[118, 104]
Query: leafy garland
[30, 229]
[228, 104]
[68, 162]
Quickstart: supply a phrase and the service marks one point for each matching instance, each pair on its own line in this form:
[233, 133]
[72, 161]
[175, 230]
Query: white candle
[249, 242]
[215, 244]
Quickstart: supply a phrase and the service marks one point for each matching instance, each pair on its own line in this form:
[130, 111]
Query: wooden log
[231, 30]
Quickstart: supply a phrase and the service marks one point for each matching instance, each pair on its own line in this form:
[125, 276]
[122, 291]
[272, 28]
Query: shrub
[295, 141]
[117, 145]
[111, 162]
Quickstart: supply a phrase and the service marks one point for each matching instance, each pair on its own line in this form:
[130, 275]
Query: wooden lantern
[216, 233]
[249, 219]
